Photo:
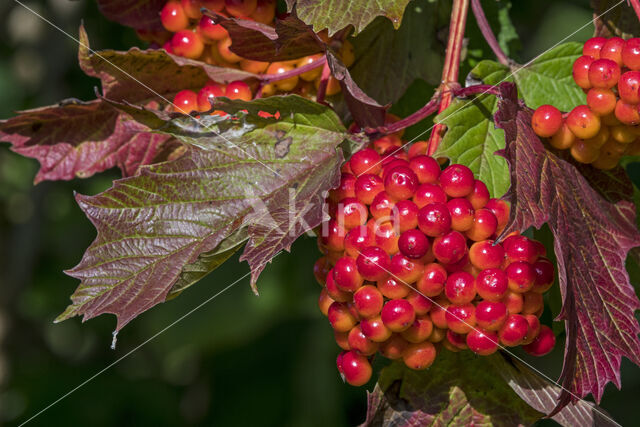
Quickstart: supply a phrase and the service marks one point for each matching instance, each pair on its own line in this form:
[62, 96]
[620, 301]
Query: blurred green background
[238, 359]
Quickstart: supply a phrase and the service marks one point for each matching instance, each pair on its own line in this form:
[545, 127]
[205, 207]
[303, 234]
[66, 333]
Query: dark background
[237, 360]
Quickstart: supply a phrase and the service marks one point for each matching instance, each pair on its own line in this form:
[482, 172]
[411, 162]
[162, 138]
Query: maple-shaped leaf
[458, 389]
[592, 237]
[173, 219]
[334, 15]
[139, 14]
[78, 139]
[615, 18]
[289, 38]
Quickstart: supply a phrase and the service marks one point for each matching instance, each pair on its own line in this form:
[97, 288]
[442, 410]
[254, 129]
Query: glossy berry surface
[238, 90]
[368, 301]
[340, 317]
[185, 102]
[593, 46]
[514, 330]
[187, 43]
[413, 244]
[461, 318]
[482, 342]
[450, 248]
[173, 17]
[462, 214]
[400, 182]
[346, 274]
[581, 71]
[457, 181]
[434, 219]
[628, 87]
[601, 102]
[356, 368]
[546, 120]
[491, 315]
[604, 73]
[492, 284]
[419, 356]
[631, 54]
[373, 263]
[583, 122]
[543, 343]
[398, 315]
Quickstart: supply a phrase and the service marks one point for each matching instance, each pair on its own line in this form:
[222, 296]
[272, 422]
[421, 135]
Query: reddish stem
[636, 7]
[324, 80]
[270, 78]
[485, 28]
[428, 109]
[451, 66]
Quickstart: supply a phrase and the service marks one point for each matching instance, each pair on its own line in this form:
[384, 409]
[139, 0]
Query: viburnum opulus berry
[411, 265]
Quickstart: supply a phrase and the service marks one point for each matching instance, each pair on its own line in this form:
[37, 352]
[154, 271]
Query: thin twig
[485, 28]
[324, 80]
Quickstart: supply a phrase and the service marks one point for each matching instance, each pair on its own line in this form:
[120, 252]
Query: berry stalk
[324, 81]
[485, 28]
[451, 65]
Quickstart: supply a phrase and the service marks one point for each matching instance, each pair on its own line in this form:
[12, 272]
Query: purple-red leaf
[592, 236]
[139, 14]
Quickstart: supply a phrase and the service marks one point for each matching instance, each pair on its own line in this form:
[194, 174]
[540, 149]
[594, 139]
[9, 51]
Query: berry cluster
[605, 129]
[187, 100]
[410, 265]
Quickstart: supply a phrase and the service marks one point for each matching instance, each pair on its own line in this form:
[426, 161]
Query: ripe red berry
[373, 263]
[192, 8]
[340, 317]
[238, 90]
[355, 367]
[604, 73]
[421, 304]
[429, 193]
[514, 301]
[405, 215]
[457, 181]
[486, 254]
[187, 43]
[393, 347]
[484, 225]
[544, 275]
[583, 123]
[455, 342]
[543, 343]
[460, 287]
[356, 240]
[449, 248]
[346, 275]
[359, 343]
[351, 213]
[324, 301]
[491, 315]
[434, 219]
[534, 328]
[320, 270]
[367, 187]
[413, 244]
[265, 12]
[501, 210]
[374, 329]
[393, 288]
[240, 8]
[426, 169]
[520, 248]
[419, 356]
[386, 237]
[479, 196]
[333, 235]
[173, 17]
[461, 214]
[627, 113]
[601, 101]
[185, 102]
[631, 54]
[211, 31]
[432, 281]
[533, 302]
[368, 301]
[628, 86]
[214, 5]
[391, 162]
[207, 95]
[482, 342]
[546, 121]
[382, 206]
[366, 161]
[581, 71]
[438, 312]
[334, 291]
[419, 331]
[405, 269]
[461, 318]
[346, 188]
[612, 50]
[521, 276]
[400, 182]
[492, 284]
[342, 339]
[398, 315]
[593, 46]
[514, 330]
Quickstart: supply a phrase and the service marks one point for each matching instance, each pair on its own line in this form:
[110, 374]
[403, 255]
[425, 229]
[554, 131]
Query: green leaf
[458, 389]
[177, 220]
[335, 15]
[387, 60]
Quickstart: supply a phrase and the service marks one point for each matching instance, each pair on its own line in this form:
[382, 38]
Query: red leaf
[592, 236]
[139, 14]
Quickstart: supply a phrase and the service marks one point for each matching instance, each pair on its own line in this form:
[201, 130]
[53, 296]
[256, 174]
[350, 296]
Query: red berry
[484, 225]
[543, 343]
[419, 356]
[612, 49]
[356, 240]
[393, 288]
[211, 31]
[405, 215]
[457, 181]
[492, 284]
[419, 331]
[432, 281]
[544, 275]
[546, 121]
[449, 248]
[479, 196]
[366, 161]
[521, 276]
[426, 169]
[386, 237]
[393, 347]
[320, 270]
[514, 302]
[593, 46]
[346, 188]
[628, 86]
[382, 206]
[368, 301]
[238, 90]
[207, 95]
[601, 101]
[631, 54]
[400, 182]
[339, 363]
[351, 213]
[581, 71]
[520, 248]
[486, 254]
[434, 219]
[367, 187]
[342, 339]
[173, 17]
[346, 274]
[405, 269]
[265, 11]
[413, 244]
[355, 368]
[373, 263]
[359, 343]
[461, 214]
[533, 302]
[333, 235]
[456, 342]
[427, 194]
[240, 8]
[185, 102]
[627, 113]
[340, 317]
[418, 148]
[514, 330]
[460, 265]
[583, 123]
[438, 312]
[460, 288]
[398, 315]
[461, 318]
[334, 291]
[374, 329]
[534, 328]
[482, 342]
[187, 43]
[501, 210]
[324, 301]
[421, 304]
[214, 5]
[192, 8]
[491, 315]
[391, 162]
[604, 73]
